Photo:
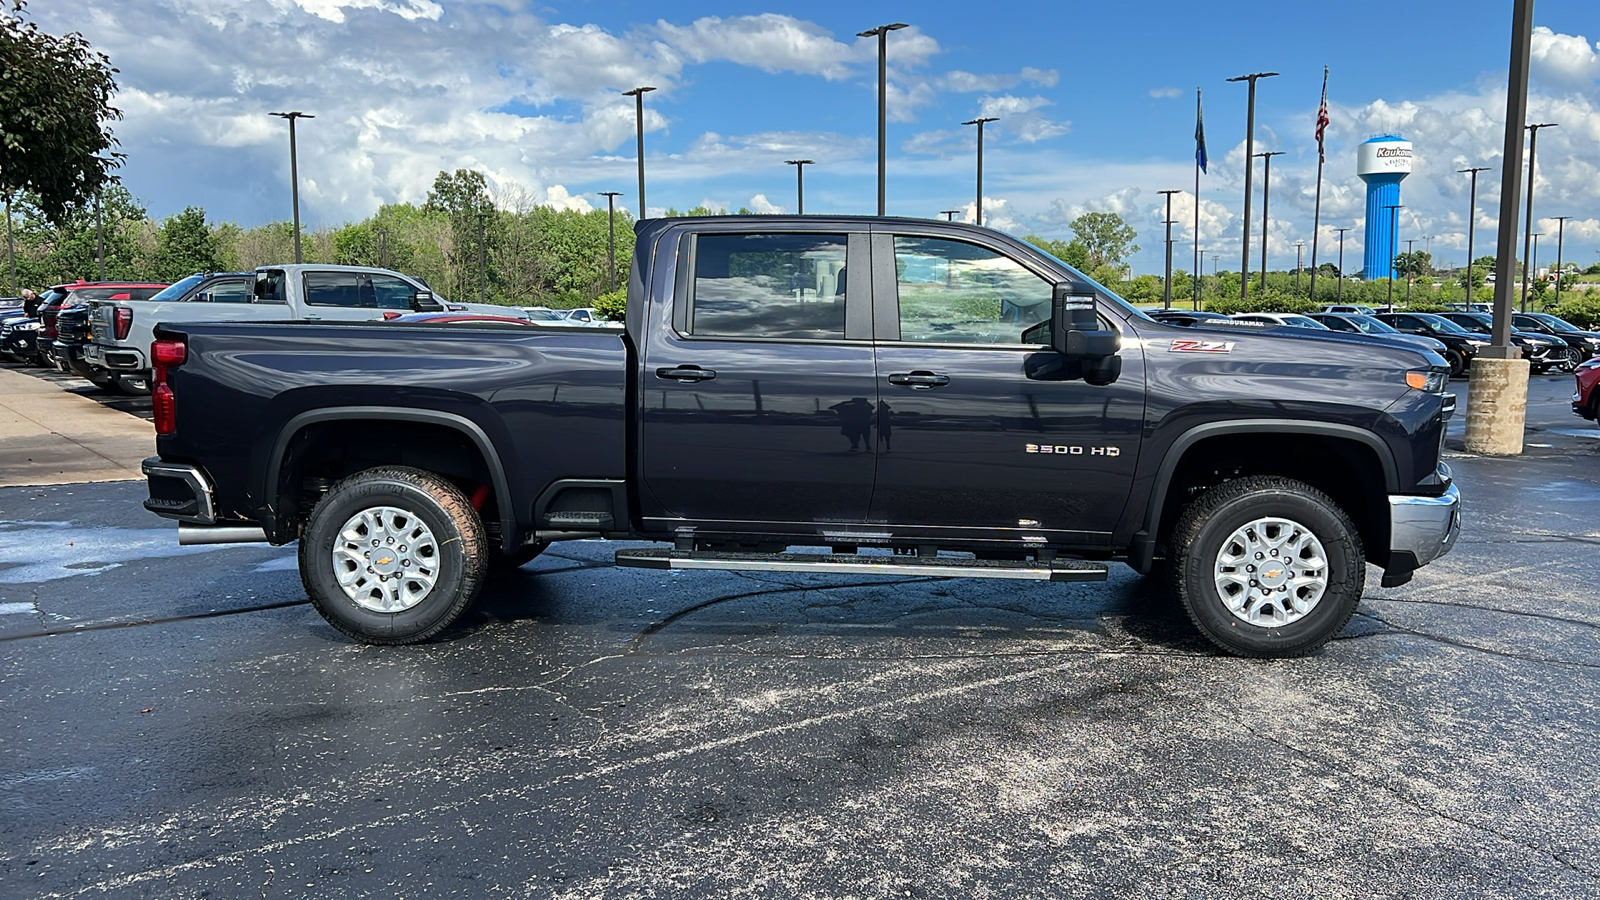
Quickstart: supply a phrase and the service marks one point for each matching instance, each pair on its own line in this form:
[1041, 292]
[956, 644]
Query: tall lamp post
[294, 173]
[638, 123]
[1409, 273]
[1249, 175]
[11, 247]
[1533, 264]
[611, 235]
[1472, 221]
[949, 214]
[1533, 151]
[1394, 226]
[1266, 202]
[799, 182]
[1166, 290]
[882, 34]
[1299, 248]
[979, 122]
[99, 239]
[483, 259]
[1561, 237]
[1338, 293]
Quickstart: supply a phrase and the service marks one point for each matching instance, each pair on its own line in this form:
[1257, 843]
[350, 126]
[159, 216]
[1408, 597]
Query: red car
[1586, 399]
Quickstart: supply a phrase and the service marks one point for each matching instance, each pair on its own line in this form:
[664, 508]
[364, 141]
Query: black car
[1542, 351]
[1460, 345]
[1581, 345]
[1186, 317]
[19, 334]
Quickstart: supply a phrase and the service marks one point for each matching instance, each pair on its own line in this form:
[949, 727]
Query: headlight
[29, 326]
[1434, 381]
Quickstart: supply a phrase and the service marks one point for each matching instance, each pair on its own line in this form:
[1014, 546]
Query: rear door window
[769, 286]
[342, 289]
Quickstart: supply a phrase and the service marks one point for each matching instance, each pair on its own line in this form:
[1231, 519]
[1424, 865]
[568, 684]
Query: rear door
[977, 426]
[344, 296]
[758, 390]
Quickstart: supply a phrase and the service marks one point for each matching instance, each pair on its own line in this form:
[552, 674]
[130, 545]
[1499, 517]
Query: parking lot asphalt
[180, 723]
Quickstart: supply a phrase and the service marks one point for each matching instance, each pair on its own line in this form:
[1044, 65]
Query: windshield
[1369, 325]
[1440, 323]
[174, 291]
[543, 315]
[1555, 323]
[1303, 322]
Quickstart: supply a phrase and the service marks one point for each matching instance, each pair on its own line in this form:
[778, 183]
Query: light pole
[1394, 225]
[294, 172]
[1410, 273]
[1299, 247]
[1266, 202]
[1533, 262]
[1533, 150]
[638, 122]
[949, 214]
[11, 246]
[882, 34]
[1472, 220]
[979, 122]
[611, 235]
[483, 260]
[1249, 174]
[99, 239]
[1338, 294]
[1166, 291]
[799, 182]
[1561, 237]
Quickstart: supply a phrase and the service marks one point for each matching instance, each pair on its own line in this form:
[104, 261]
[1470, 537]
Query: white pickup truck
[121, 330]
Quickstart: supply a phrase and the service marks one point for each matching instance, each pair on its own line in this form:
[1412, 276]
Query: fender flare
[510, 534]
[1143, 549]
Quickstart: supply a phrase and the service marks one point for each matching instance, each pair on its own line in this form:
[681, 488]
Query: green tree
[1073, 253]
[463, 197]
[185, 246]
[53, 252]
[1108, 239]
[1416, 264]
[55, 103]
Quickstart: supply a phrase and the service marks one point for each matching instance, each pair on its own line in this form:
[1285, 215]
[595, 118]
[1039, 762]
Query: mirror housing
[1076, 334]
[203, 297]
[425, 301]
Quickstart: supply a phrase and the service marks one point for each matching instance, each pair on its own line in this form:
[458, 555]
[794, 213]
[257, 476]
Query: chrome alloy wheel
[1271, 572]
[386, 559]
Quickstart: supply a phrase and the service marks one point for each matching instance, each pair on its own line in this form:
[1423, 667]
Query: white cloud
[966, 82]
[769, 42]
[333, 10]
[1564, 58]
[762, 205]
[1166, 93]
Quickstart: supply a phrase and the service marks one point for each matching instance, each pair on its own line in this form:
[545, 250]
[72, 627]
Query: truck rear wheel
[393, 555]
[1267, 566]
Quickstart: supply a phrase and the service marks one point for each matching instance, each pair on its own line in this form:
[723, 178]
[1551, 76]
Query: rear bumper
[179, 491]
[121, 359]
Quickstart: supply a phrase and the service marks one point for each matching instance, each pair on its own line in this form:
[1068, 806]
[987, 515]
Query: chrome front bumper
[1424, 527]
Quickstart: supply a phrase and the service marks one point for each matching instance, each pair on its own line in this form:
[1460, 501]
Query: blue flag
[1199, 133]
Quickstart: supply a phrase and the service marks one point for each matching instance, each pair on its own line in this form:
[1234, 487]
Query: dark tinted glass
[769, 285]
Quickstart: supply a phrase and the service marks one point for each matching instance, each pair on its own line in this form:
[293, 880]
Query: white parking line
[12, 609]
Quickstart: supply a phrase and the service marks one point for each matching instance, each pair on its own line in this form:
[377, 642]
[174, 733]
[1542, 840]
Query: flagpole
[1197, 261]
[1316, 215]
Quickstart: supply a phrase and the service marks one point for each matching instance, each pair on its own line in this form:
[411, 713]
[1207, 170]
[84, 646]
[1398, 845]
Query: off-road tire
[1212, 518]
[462, 553]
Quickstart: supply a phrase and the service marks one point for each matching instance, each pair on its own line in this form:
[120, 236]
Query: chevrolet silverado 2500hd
[822, 394]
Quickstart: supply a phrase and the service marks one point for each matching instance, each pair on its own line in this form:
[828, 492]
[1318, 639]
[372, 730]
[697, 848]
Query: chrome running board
[849, 564]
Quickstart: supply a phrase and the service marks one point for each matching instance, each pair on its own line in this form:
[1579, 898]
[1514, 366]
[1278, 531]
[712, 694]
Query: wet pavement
[180, 723]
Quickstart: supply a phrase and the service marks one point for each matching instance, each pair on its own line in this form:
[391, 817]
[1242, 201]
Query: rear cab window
[755, 286]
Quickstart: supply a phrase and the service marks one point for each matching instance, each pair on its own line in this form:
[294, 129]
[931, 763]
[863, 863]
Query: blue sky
[1096, 107]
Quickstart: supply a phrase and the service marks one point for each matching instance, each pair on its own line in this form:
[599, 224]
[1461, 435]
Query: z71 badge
[1191, 345]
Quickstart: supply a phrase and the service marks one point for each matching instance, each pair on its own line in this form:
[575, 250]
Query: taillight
[49, 326]
[165, 355]
[124, 322]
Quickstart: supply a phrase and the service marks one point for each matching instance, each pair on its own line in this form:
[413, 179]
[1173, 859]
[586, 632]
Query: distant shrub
[612, 306]
[1266, 301]
[1581, 309]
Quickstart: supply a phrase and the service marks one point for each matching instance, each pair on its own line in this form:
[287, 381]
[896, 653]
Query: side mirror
[1075, 333]
[425, 301]
[203, 297]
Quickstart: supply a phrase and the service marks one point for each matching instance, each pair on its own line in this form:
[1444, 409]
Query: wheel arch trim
[1144, 544]
[510, 534]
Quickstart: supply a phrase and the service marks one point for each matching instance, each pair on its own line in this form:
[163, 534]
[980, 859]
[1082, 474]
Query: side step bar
[839, 563]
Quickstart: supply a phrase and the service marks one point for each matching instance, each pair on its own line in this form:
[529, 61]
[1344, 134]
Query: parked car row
[1547, 342]
[103, 331]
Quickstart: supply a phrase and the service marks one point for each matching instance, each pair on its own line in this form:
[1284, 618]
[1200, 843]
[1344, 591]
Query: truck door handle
[686, 374]
[920, 380]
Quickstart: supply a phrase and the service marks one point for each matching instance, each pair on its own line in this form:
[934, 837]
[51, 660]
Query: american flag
[1322, 116]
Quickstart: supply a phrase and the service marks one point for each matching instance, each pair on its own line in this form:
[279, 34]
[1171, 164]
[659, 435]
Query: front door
[978, 427]
[758, 398]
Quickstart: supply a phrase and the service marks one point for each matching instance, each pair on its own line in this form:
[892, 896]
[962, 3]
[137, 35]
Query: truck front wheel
[1267, 566]
[393, 555]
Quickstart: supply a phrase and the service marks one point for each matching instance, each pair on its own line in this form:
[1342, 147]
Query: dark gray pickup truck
[815, 394]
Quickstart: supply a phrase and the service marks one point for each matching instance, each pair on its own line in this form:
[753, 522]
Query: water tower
[1382, 162]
